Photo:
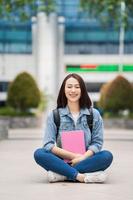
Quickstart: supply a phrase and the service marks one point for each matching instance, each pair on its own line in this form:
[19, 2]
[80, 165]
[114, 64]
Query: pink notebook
[73, 141]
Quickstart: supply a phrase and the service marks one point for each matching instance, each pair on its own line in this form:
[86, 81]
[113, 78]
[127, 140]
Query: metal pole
[121, 37]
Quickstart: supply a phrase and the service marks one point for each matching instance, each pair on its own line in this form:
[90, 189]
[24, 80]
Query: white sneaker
[95, 177]
[54, 177]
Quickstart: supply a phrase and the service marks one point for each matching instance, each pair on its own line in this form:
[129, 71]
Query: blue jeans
[49, 161]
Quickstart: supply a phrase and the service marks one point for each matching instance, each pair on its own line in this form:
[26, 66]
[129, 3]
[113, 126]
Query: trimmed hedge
[117, 95]
[23, 93]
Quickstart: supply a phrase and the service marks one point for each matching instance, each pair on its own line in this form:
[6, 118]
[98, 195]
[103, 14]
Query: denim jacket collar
[66, 111]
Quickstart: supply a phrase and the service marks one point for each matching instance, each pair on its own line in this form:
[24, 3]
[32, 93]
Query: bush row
[23, 96]
[116, 96]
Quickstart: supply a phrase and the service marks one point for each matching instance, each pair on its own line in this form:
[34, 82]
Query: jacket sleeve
[97, 132]
[49, 139]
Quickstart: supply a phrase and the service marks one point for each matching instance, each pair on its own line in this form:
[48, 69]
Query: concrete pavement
[22, 179]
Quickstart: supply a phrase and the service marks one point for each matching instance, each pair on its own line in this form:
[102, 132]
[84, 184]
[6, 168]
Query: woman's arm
[49, 142]
[97, 132]
[63, 153]
[88, 153]
[49, 133]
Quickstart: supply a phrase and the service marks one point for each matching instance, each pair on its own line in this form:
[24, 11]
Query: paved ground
[21, 178]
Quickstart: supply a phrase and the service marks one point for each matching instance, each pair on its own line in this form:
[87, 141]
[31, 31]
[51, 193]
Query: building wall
[100, 59]
[12, 64]
[95, 79]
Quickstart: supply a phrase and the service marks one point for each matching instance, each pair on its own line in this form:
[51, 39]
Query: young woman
[74, 105]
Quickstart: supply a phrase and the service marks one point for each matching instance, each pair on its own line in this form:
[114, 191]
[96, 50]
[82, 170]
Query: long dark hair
[84, 101]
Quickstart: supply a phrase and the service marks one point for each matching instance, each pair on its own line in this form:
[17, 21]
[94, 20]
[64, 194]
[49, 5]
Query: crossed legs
[98, 162]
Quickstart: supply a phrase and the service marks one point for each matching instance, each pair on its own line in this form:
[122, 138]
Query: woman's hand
[77, 159]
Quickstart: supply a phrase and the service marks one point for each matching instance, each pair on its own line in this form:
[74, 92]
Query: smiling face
[72, 90]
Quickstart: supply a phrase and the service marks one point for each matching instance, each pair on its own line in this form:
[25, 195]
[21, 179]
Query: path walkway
[22, 179]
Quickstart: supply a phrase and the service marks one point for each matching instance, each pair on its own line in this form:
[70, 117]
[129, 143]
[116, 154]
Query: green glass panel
[73, 66]
[128, 68]
[107, 68]
[71, 69]
[99, 68]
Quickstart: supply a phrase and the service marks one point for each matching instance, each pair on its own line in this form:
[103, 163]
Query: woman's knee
[38, 154]
[108, 156]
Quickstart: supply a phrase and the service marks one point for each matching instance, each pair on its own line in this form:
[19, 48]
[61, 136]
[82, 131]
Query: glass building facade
[15, 38]
[83, 35]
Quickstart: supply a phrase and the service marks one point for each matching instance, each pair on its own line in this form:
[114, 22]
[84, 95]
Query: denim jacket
[93, 141]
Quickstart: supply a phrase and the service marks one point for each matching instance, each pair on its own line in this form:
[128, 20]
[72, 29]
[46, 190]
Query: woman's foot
[94, 177]
[54, 177]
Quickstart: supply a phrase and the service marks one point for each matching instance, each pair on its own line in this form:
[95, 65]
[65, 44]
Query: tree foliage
[107, 10]
[103, 92]
[23, 93]
[24, 9]
[117, 95]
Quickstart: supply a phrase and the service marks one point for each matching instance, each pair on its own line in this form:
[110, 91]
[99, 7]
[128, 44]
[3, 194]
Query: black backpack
[56, 116]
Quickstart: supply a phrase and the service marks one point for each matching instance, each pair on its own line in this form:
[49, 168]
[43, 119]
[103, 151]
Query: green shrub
[116, 95]
[9, 111]
[103, 92]
[23, 93]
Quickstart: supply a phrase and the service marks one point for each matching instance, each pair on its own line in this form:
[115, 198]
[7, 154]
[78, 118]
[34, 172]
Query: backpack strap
[90, 119]
[56, 117]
